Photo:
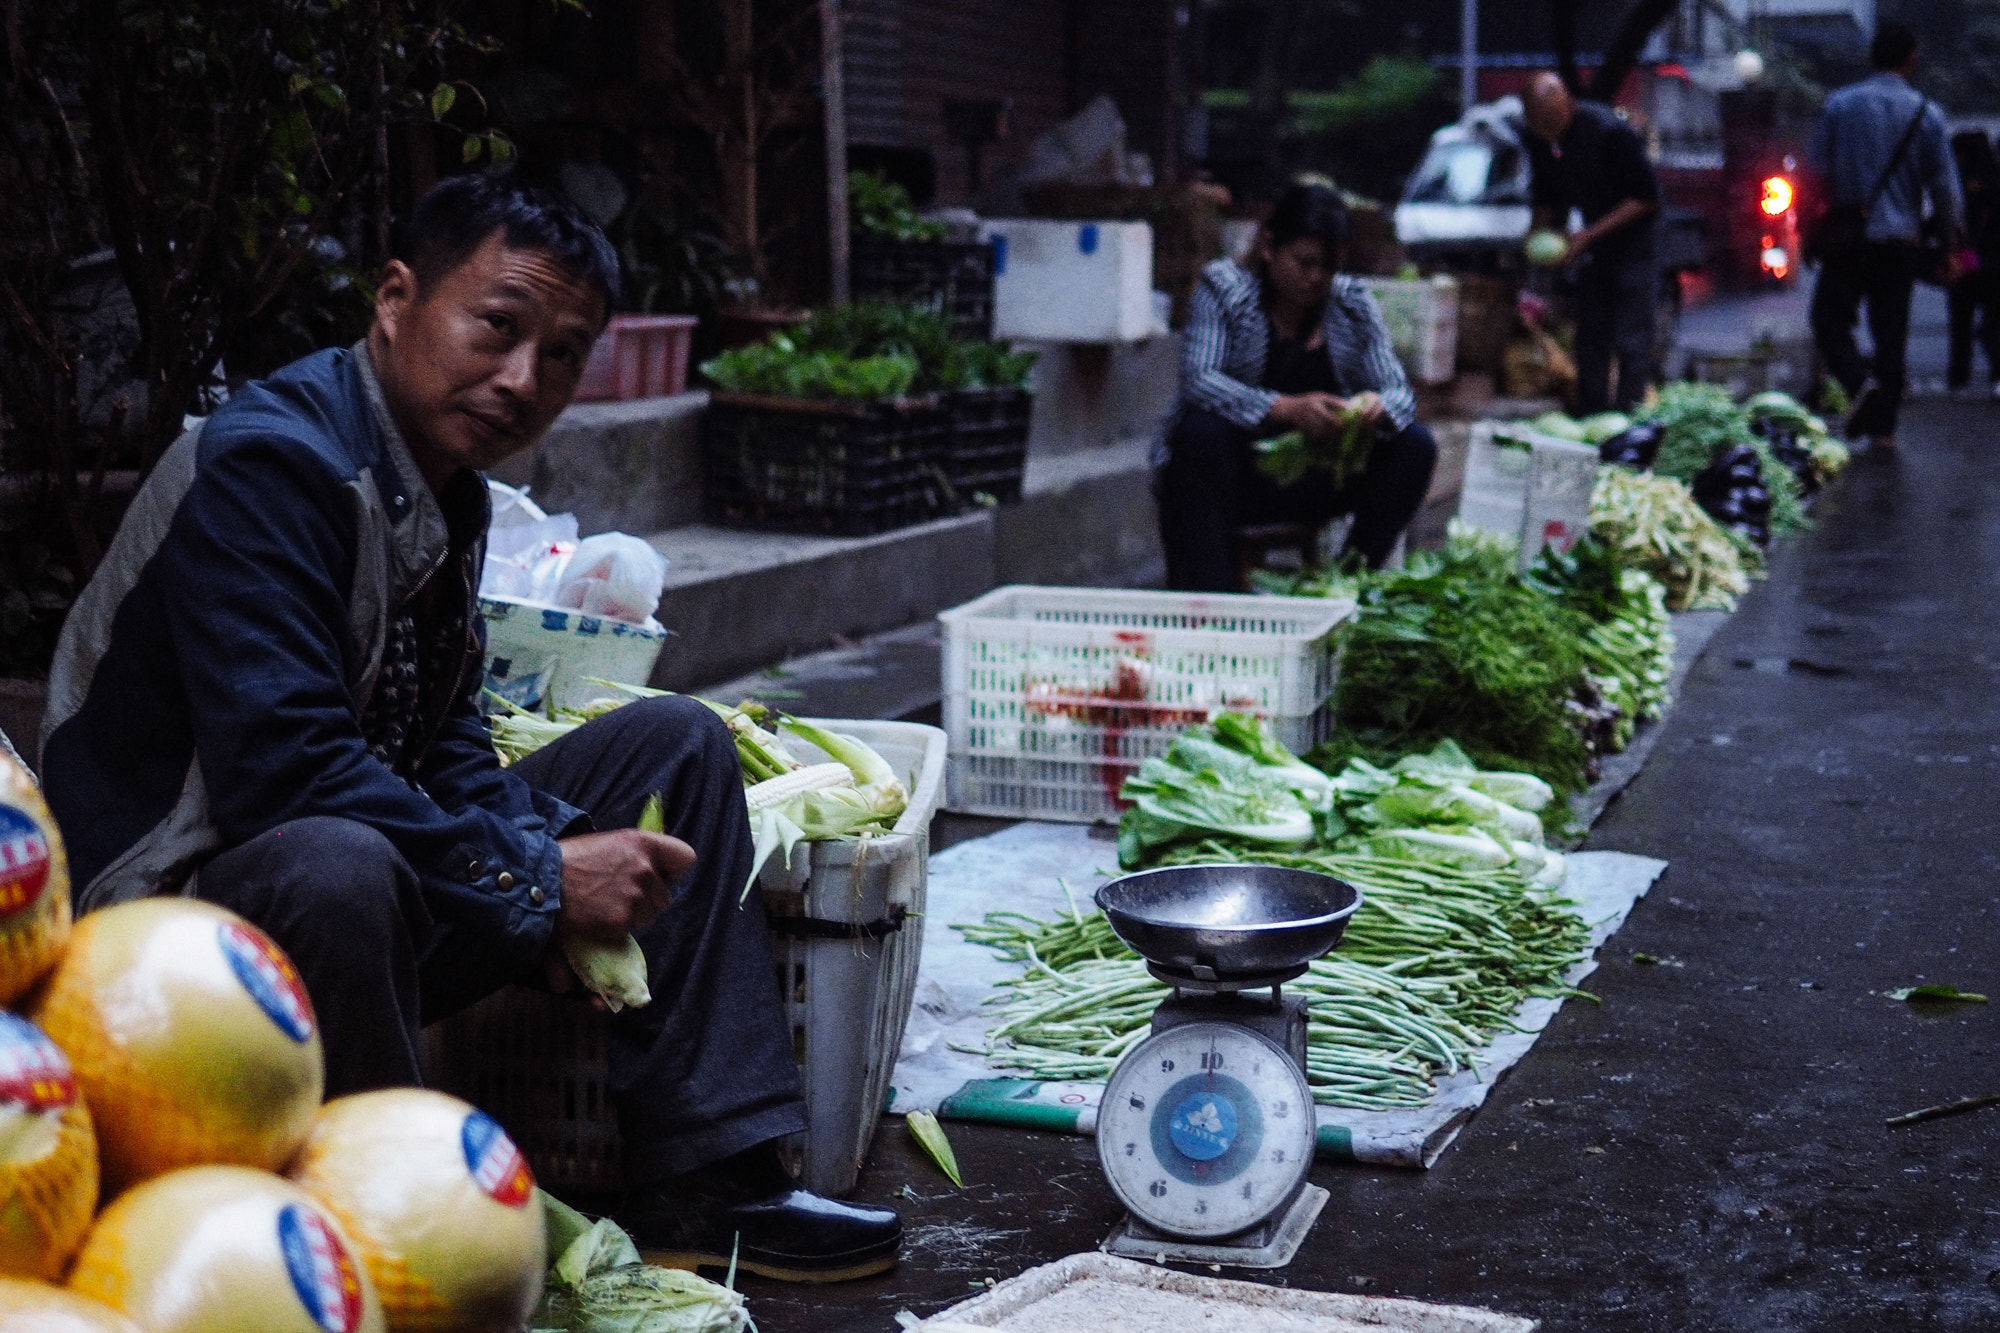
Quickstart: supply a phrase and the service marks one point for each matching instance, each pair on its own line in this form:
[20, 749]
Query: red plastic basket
[638, 356]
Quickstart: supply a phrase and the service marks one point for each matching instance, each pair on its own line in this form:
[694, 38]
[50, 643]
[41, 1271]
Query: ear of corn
[779, 790]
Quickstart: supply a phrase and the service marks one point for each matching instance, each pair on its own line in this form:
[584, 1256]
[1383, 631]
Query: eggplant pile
[1732, 490]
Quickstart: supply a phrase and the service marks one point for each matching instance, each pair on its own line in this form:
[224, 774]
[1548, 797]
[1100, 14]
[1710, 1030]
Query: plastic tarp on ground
[1022, 870]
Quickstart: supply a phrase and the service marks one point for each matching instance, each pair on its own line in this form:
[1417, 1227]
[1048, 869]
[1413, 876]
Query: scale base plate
[1272, 1244]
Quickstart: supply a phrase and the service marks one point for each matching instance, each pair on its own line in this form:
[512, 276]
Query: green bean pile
[1435, 962]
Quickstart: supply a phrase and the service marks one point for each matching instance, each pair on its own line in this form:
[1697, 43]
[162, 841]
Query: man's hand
[1317, 414]
[613, 884]
[616, 883]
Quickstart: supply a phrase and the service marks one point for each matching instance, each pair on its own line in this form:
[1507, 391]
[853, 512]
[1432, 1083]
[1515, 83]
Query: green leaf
[498, 146]
[1935, 993]
[298, 84]
[442, 98]
[652, 819]
[924, 1128]
[470, 149]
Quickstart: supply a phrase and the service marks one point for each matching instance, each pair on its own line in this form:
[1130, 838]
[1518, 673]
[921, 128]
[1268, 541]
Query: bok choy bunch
[1229, 779]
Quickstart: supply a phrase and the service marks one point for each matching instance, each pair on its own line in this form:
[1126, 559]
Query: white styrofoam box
[537, 655]
[1495, 495]
[1079, 282]
[1560, 485]
[1422, 314]
[1054, 696]
[1532, 489]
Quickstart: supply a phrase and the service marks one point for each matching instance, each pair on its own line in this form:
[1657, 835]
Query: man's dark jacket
[210, 683]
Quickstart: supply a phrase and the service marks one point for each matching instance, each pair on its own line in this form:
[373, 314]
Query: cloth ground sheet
[1019, 870]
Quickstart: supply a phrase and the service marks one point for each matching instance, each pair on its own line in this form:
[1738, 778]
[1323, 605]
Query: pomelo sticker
[269, 977]
[497, 1166]
[24, 860]
[323, 1273]
[34, 1074]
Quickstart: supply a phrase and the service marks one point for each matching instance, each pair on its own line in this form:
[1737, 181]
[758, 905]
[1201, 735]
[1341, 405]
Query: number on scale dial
[1204, 1130]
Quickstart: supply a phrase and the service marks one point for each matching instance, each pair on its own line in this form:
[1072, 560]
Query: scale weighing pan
[1218, 923]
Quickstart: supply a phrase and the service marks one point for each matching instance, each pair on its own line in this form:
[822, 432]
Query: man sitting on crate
[267, 697]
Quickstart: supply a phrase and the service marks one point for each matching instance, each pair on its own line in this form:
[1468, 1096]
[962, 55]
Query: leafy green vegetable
[930, 1136]
[1935, 993]
[1702, 420]
[1185, 795]
[1287, 458]
[779, 368]
[881, 207]
[1458, 646]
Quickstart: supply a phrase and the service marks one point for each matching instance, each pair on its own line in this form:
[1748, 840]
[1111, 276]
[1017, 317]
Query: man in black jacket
[267, 697]
[1586, 158]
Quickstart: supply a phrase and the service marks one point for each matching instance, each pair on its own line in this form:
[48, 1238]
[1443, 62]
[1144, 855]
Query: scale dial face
[1205, 1129]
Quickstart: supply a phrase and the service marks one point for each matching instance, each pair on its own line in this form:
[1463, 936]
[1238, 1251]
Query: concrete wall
[619, 467]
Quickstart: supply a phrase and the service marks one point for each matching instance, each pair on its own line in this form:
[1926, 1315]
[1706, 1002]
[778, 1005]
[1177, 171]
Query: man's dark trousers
[1884, 276]
[1617, 298]
[702, 1072]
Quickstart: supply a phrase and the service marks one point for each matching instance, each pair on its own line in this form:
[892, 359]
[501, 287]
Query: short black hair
[1311, 210]
[1894, 43]
[456, 215]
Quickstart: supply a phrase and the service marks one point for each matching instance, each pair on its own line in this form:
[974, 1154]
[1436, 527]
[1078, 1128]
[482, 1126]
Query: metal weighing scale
[1206, 1129]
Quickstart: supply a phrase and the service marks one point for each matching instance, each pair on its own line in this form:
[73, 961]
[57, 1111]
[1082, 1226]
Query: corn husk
[929, 1134]
[599, 1285]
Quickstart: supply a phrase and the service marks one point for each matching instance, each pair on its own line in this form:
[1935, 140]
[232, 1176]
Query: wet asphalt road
[1705, 1148]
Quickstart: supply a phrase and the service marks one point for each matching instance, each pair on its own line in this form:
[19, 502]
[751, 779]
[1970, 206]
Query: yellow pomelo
[48, 1154]
[34, 884]
[36, 1307]
[192, 1037]
[440, 1203]
[224, 1247]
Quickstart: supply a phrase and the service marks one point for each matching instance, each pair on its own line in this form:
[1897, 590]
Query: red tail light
[1777, 198]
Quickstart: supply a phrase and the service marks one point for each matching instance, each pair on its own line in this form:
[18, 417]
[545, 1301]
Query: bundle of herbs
[1629, 646]
[1458, 646]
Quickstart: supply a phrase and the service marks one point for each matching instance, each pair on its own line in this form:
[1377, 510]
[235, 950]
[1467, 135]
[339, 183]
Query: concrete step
[738, 601]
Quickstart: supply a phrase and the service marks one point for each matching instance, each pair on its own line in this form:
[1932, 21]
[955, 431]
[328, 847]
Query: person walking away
[1281, 342]
[1880, 149]
[1972, 295]
[1588, 159]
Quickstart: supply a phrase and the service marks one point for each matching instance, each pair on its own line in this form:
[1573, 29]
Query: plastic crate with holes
[1054, 696]
[847, 933]
[989, 443]
[839, 468]
[950, 278]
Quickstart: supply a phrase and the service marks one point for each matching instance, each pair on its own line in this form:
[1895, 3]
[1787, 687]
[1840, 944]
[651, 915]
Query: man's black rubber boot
[749, 1205]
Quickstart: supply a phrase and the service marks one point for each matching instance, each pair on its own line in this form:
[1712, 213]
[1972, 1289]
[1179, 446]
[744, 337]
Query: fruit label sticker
[496, 1164]
[269, 977]
[323, 1274]
[24, 860]
[34, 1074]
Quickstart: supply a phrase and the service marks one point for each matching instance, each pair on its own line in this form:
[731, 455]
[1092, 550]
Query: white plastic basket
[537, 1062]
[1053, 696]
[1422, 315]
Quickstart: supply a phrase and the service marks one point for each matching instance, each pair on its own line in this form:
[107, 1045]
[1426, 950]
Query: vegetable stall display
[1461, 918]
[1544, 673]
[853, 794]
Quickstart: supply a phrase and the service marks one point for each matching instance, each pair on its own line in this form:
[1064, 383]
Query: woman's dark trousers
[1211, 487]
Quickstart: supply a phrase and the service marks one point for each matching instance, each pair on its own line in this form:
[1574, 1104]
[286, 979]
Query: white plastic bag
[615, 575]
[527, 551]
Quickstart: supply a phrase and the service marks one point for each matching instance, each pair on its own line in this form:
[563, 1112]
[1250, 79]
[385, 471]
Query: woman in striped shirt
[1280, 342]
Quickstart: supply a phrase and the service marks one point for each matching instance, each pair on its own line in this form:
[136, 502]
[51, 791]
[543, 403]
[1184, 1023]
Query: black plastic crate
[951, 278]
[989, 442]
[846, 469]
